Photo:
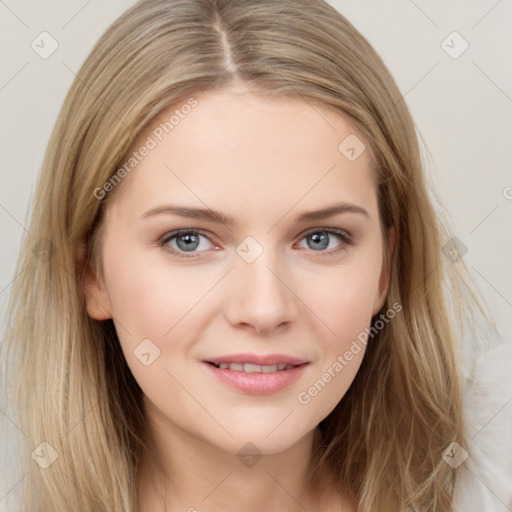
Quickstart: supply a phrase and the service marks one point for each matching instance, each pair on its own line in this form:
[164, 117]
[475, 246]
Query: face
[271, 279]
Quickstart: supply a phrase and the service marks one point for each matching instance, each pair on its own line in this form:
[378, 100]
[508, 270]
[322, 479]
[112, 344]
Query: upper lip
[266, 360]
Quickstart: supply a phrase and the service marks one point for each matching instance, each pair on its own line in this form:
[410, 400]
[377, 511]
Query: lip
[261, 360]
[257, 383]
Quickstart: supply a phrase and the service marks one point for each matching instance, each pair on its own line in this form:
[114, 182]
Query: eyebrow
[210, 215]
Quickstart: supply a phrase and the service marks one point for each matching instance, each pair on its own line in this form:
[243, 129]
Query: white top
[485, 478]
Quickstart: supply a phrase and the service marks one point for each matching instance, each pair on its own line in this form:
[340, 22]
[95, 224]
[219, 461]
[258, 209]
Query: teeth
[253, 368]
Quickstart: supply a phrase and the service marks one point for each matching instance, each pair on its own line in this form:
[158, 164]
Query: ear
[384, 279]
[97, 301]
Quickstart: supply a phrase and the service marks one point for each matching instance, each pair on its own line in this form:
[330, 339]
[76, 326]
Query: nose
[260, 295]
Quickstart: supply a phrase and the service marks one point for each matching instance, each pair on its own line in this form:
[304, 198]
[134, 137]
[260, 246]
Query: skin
[261, 161]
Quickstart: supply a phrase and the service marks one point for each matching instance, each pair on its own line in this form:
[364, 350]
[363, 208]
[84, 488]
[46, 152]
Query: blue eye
[187, 243]
[320, 239]
[187, 240]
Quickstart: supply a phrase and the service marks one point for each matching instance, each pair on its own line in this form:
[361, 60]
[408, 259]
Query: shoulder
[484, 480]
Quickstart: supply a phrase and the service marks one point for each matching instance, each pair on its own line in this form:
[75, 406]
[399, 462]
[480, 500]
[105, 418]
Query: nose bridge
[260, 295]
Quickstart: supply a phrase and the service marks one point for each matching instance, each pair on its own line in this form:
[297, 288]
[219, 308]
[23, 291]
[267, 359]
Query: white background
[462, 108]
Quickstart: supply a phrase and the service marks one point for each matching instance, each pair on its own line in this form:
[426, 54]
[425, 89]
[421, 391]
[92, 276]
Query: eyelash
[346, 239]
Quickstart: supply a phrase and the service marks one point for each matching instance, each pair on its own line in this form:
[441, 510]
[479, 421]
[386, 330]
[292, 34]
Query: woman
[302, 355]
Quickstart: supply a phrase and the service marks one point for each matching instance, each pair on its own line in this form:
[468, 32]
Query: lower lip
[258, 383]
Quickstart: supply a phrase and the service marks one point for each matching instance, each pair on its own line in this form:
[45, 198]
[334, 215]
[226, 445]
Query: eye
[321, 239]
[192, 241]
[186, 241]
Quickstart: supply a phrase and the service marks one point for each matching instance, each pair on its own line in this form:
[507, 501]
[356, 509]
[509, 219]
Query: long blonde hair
[65, 372]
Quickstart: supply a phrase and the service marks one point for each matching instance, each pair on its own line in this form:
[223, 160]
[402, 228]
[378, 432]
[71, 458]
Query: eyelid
[172, 234]
[343, 233]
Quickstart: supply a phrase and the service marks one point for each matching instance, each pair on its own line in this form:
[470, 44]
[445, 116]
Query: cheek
[341, 302]
[152, 307]
[149, 298]
[342, 298]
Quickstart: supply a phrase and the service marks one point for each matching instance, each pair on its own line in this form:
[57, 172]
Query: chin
[260, 441]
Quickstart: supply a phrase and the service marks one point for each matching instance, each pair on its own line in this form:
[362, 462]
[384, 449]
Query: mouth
[254, 368]
[257, 379]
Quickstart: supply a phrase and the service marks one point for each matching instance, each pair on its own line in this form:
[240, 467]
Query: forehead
[250, 151]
